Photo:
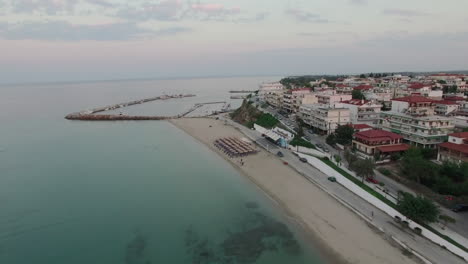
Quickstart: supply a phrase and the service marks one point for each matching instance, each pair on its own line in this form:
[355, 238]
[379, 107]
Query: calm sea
[128, 192]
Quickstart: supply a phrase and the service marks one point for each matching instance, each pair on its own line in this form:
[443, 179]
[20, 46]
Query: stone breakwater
[90, 115]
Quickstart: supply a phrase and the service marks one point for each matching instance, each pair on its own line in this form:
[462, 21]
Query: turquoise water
[128, 192]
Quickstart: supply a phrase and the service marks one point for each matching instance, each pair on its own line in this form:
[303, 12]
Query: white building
[293, 99]
[266, 88]
[445, 107]
[414, 118]
[362, 111]
[324, 118]
[331, 98]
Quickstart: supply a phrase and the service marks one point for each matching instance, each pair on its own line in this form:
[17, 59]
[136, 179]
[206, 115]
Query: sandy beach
[341, 235]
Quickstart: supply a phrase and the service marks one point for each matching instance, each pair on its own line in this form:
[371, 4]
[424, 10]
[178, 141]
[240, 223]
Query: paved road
[431, 251]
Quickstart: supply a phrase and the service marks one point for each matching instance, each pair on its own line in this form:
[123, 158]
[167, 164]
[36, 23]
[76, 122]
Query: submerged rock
[261, 234]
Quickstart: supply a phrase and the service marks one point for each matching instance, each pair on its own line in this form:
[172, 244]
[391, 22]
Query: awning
[393, 148]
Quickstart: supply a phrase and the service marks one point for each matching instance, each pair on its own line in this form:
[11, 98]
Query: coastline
[339, 235]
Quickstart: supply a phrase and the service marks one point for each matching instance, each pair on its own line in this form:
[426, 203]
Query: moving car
[460, 208]
[280, 154]
[303, 160]
[332, 179]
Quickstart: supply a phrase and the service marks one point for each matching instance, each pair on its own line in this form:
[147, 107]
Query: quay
[243, 91]
[90, 115]
[235, 97]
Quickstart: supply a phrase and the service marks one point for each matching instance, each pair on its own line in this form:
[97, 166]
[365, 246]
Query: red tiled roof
[417, 86]
[463, 148]
[414, 99]
[363, 87]
[377, 135]
[360, 126]
[454, 98]
[445, 102]
[355, 102]
[394, 148]
[459, 135]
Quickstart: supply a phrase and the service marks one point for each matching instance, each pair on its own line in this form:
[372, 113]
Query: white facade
[266, 88]
[323, 117]
[362, 112]
[331, 98]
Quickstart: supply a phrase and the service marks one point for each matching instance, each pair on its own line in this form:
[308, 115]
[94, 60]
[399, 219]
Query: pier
[90, 115]
[243, 91]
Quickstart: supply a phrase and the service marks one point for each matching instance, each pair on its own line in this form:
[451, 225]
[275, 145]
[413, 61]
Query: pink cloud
[214, 9]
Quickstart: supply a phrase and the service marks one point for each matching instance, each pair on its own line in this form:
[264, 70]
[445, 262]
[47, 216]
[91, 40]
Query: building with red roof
[414, 105]
[455, 149]
[378, 142]
[360, 127]
[445, 107]
[363, 87]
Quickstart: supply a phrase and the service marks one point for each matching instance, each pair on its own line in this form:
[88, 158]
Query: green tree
[418, 208]
[415, 167]
[349, 157]
[364, 168]
[344, 134]
[357, 94]
[362, 76]
[337, 159]
[445, 219]
[331, 139]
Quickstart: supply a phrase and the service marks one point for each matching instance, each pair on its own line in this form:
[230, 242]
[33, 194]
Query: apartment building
[293, 99]
[445, 107]
[455, 149]
[268, 88]
[274, 98]
[414, 118]
[332, 97]
[324, 118]
[362, 111]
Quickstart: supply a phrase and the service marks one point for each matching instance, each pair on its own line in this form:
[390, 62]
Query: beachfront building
[266, 88]
[277, 135]
[324, 118]
[293, 99]
[362, 111]
[274, 98]
[445, 107]
[371, 143]
[455, 149]
[332, 97]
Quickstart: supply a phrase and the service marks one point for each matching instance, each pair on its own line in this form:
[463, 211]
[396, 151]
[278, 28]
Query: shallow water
[128, 192]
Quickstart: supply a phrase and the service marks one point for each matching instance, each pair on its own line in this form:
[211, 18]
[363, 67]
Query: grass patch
[386, 201]
[359, 183]
[267, 120]
[297, 141]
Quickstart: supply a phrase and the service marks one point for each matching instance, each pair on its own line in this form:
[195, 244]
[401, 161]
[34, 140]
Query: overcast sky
[64, 40]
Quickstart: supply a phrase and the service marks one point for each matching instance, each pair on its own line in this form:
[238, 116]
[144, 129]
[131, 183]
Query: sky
[67, 40]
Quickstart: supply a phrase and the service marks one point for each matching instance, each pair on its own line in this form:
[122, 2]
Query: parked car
[303, 160]
[280, 154]
[319, 145]
[460, 208]
[332, 179]
[371, 180]
[326, 150]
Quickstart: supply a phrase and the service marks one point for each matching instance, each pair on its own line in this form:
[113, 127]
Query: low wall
[382, 206]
